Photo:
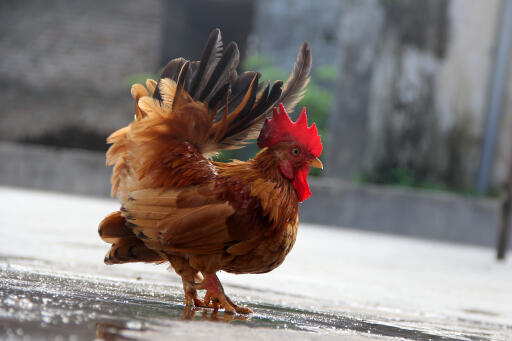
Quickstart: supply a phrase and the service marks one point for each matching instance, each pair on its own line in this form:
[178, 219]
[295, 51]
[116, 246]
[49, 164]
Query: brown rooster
[204, 216]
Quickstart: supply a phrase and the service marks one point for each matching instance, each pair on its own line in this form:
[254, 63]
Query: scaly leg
[215, 294]
[190, 289]
[191, 281]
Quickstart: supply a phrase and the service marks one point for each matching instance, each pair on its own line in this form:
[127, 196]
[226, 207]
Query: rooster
[202, 216]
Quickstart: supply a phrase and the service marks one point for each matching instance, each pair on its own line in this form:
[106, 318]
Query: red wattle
[300, 182]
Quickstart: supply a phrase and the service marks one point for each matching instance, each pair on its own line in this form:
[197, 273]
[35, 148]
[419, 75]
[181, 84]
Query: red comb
[280, 128]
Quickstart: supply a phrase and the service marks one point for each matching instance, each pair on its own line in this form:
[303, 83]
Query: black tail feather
[209, 59]
[220, 75]
[172, 71]
[214, 80]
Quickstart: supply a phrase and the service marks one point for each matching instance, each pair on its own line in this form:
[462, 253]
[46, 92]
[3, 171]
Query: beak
[316, 163]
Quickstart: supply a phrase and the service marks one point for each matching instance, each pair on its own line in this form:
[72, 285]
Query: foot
[215, 297]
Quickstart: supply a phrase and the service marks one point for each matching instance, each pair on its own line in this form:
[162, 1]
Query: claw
[216, 298]
[243, 310]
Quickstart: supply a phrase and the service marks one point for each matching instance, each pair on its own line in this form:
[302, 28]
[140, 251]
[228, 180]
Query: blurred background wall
[402, 92]
[64, 66]
[414, 93]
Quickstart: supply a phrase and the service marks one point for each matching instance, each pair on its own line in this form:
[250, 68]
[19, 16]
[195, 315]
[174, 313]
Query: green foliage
[137, 78]
[141, 77]
[326, 74]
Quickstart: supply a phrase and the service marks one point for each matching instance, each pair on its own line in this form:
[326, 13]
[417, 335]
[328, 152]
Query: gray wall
[64, 65]
[91, 45]
[414, 90]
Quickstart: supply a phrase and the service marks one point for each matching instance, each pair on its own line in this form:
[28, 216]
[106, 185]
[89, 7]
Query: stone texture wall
[413, 90]
[360, 26]
[81, 44]
[64, 66]
[463, 89]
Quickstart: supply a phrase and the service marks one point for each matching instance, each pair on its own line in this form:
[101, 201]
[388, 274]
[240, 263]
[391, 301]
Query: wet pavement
[336, 284]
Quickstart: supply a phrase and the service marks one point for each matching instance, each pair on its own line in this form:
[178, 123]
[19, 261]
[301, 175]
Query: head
[296, 146]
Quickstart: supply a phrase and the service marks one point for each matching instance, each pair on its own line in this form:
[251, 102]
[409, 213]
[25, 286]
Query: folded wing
[197, 220]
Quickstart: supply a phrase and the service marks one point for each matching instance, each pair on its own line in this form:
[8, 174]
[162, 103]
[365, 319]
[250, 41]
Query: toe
[229, 309]
[243, 310]
[199, 303]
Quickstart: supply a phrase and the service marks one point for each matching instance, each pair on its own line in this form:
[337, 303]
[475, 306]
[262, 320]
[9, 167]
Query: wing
[198, 220]
[195, 110]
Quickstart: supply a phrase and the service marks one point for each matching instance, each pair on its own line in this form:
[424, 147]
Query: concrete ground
[336, 284]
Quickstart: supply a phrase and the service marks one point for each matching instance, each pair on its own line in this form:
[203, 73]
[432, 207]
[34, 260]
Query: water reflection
[135, 330]
[110, 332]
[193, 313]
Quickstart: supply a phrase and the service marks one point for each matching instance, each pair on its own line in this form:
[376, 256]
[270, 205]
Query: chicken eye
[296, 151]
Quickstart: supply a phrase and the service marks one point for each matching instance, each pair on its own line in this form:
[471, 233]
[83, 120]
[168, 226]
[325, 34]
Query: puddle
[38, 305]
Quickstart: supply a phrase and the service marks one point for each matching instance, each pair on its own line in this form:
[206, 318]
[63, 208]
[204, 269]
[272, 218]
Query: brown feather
[179, 205]
[112, 228]
[129, 250]
[127, 247]
[138, 91]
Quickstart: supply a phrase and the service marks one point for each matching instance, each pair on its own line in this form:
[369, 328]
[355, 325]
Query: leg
[191, 281]
[190, 289]
[215, 294]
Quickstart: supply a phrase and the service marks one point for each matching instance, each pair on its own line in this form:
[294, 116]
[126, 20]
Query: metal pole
[506, 205]
[504, 222]
[498, 86]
